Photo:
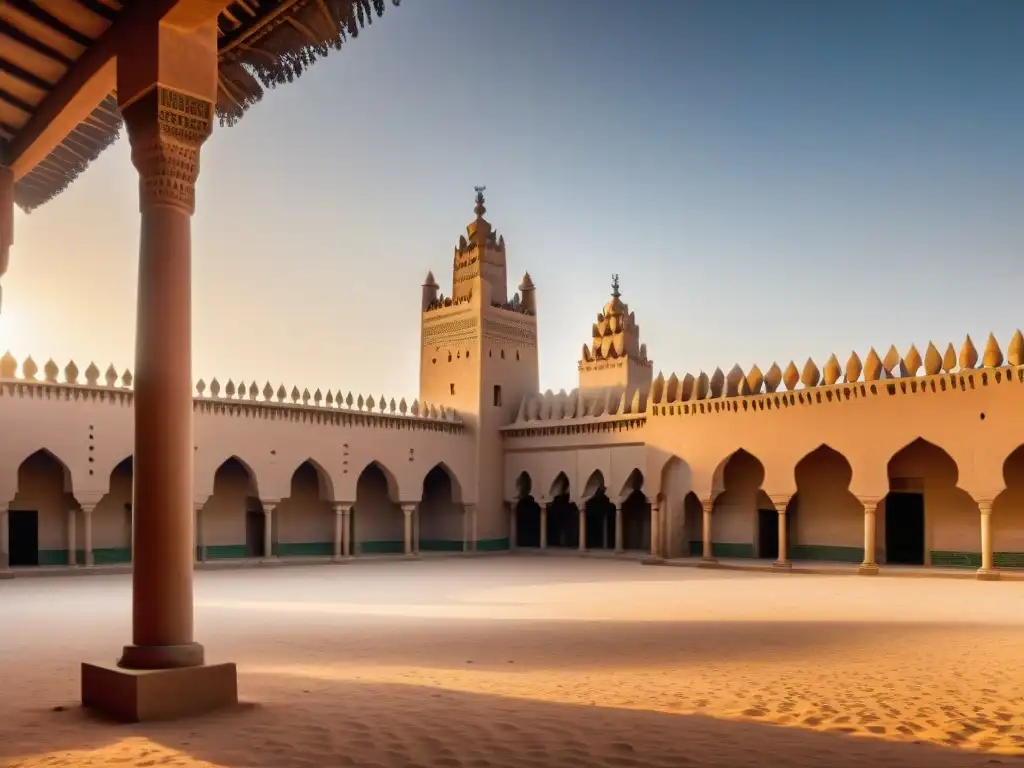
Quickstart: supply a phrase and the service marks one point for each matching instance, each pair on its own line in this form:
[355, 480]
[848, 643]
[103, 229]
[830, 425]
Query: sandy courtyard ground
[517, 661]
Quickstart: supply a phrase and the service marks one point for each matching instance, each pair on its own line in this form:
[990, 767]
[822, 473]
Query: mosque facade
[897, 459]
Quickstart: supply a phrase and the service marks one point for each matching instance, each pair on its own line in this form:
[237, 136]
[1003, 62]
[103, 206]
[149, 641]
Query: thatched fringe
[286, 46]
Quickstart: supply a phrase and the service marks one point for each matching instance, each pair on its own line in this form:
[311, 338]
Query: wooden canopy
[58, 108]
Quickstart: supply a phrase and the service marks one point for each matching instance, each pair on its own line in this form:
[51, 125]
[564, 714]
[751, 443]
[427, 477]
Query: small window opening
[452, 387]
[497, 395]
[503, 354]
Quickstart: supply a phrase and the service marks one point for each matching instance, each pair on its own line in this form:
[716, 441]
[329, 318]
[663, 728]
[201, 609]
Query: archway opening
[527, 513]
[37, 516]
[441, 519]
[378, 523]
[693, 525]
[563, 516]
[112, 519]
[598, 514]
[1008, 514]
[233, 523]
[303, 523]
[926, 518]
[743, 516]
[636, 514]
[825, 521]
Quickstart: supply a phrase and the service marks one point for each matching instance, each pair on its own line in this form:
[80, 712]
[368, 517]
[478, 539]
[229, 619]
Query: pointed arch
[594, 485]
[233, 466]
[324, 481]
[524, 485]
[112, 517]
[377, 519]
[825, 520]
[739, 467]
[925, 519]
[43, 456]
[441, 472]
[38, 511]
[1008, 514]
[374, 470]
[559, 486]
[741, 507]
[634, 482]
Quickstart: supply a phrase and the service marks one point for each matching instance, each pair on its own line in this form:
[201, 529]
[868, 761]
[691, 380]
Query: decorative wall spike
[349, 401]
[634, 406]
[29, 369]
[716, 383]
[1015, 351]
[391, 405]
[295, 394]
[621, 409]
[8, 366]
[329, 400]
[339, 399]
[110, 377]
[305, 396]
[744, 388]
[810, 376]
[281, 394]
[71, 373]
[672, 389]
[754, 380]
[50, 371]
[381, 404]
[832, 371]
[360, 402]
[215, 387]
[268, 392]
[773, 378]
[415, 409]
[581, 407]
[92, 375]
[254, 391]
[686, 388]
[912, 361]
[201, 387]
[872, 366]
[229, 389]
[892, 359]
[403, 408]
[993, 356]
[241, 390]
[658, 388]
[932, 360]
[854, 368]
[968, 354]
[949, 358]
[701, 387]
[127, 379]
[433, 412]
[732, 381]
[791, 376]
[318, 396]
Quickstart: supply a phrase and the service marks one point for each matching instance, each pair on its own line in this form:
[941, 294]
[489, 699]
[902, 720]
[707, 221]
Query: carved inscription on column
[166, 129]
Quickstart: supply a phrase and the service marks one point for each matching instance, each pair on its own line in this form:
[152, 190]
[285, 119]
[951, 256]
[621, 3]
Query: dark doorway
[904, 528]
[23, 537]
[254, 533]
[528, 523]
[563, 523]
[600, 520]
[768, 534]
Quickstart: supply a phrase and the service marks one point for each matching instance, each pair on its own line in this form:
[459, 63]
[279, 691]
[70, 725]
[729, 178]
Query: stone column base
[707, 562]
[868, 569]
[134, 696]
[782, 565]
[987, 574]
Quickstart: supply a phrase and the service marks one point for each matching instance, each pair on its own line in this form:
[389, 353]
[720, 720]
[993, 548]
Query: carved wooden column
[407, 510]
[988, 571]
[268, 530]
[339, 529]
[620, 542]
[782, 562]
[513, 533]
[5, 555]
[87, 534]
[707, 556]
[72, 538]
[543, 526]
[583, 526]
[869, 567]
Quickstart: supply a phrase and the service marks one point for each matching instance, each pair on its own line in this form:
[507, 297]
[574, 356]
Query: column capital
[780, 501]
[985, 506]
[870, 503]
[708, 505]
[87, 507]
[341, 507]
[269, 505]
[409, 507]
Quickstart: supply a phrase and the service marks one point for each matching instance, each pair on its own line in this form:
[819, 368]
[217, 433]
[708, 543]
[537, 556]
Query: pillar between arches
[869, 567]
[781, 504]
[988, 571]
[166, 87]
[707, 554]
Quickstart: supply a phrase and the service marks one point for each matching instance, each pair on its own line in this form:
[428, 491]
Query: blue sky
[772, 181]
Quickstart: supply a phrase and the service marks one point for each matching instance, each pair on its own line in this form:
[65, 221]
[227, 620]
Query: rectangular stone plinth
[134, 696]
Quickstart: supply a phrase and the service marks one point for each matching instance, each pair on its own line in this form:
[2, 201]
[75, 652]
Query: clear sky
[771, 180]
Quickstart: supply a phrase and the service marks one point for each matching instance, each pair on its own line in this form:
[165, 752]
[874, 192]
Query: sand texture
[517, 662]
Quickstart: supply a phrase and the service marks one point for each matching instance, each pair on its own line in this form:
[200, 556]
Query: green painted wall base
[730, 549]
[947, 559]
[381, 547]
[226, 552]
[441, 545]
[304, 548]
[827, 553]
[492, 545]
[111, 556]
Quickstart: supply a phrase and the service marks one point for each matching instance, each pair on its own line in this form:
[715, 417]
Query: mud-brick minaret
[479, 356]
[615, 358]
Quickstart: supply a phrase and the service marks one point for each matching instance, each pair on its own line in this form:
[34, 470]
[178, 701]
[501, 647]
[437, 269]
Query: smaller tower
[430, 292]
[528, 295]
[615, 358]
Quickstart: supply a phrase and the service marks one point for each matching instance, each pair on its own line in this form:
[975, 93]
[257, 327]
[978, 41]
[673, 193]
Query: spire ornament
[479, 209]
[615, 287]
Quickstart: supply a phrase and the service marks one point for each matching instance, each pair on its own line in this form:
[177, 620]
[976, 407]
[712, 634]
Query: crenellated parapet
[910, 367]
[247, 399]
[577, 405]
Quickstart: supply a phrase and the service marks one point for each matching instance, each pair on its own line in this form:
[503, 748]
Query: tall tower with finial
[615, 358]
[479, 356]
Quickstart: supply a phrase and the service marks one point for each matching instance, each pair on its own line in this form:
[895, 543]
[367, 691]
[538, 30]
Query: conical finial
[431, 281]
[1015, 352]
[479, 210]
[615, 287]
